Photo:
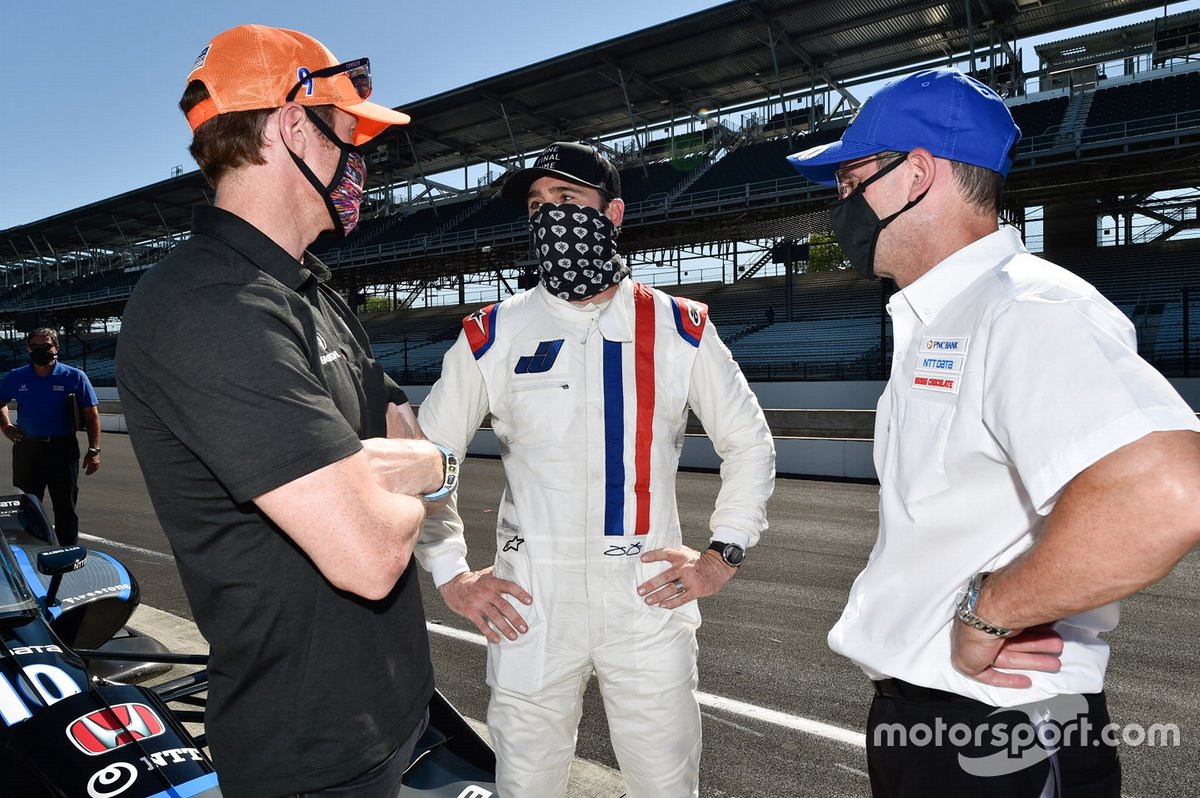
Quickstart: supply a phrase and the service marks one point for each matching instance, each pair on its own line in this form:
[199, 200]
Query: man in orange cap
[285, 467]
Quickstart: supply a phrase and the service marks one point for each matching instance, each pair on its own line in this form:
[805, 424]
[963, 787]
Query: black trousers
[41, 464]
[382, 781]
[924, 743]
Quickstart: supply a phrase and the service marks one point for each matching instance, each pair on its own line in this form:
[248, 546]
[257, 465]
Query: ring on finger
[679, 588]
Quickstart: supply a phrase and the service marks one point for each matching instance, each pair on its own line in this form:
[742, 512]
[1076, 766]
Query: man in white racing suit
[588, 378]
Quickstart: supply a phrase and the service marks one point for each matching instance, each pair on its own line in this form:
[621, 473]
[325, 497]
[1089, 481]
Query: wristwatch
[966, 608]
[731, 553]
[449, 475]
[93, 449]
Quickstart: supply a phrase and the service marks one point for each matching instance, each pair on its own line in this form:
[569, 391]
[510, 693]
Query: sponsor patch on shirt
[944, 346]
[480, 329]
[940, 363]
[690, 319]
[933, 382]
[944, 364]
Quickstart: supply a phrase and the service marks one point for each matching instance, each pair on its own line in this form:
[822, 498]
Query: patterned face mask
[574, 245]
[343, 195]
[346, 195]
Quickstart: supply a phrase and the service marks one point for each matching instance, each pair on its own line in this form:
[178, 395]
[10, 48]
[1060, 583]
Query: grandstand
[832, 328]
[699, 114]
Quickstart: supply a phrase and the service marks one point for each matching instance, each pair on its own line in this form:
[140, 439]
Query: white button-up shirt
[1011, 375]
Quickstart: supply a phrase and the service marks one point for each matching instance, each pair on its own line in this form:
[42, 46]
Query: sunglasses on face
[358, 70]
[847, 182]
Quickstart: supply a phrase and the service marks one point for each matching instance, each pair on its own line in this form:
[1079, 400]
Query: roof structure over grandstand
[699, 114]
[732, 56]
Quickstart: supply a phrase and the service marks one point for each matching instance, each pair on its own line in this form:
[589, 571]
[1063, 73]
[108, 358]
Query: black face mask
[575, 246]
[41, 355]
[857, 226]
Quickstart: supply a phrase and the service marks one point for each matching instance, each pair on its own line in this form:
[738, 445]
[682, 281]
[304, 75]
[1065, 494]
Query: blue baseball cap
[952, 115]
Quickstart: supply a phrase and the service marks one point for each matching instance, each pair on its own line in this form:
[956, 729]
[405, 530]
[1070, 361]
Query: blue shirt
[42, 401]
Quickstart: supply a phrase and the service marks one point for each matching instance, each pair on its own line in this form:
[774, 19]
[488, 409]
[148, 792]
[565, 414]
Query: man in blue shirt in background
[45, 449]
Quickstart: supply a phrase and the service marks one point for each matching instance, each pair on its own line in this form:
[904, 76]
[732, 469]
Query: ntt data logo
[1050, 725]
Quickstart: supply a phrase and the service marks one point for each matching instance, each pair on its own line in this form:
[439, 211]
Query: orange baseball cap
[255, 66]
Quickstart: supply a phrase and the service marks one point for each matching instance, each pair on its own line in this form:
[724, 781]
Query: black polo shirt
[239, 371]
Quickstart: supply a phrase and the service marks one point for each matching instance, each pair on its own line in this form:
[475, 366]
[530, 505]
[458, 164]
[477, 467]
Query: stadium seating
[409, 344]
[813, 349]
[833, 331]
[655, 181]
[94, 353]
[494, 212]
[1039, 121]
[1143, 107]
[798, 118]
[750, 163]
[1147, 282]
[89, 288]
[420, 221]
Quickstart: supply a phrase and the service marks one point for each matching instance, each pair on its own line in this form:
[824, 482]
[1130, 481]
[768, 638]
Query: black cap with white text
[577, 163]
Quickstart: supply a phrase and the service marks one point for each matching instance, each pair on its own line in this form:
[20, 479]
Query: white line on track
[738, 726]
[126, 547]
[794, 722]
[849, 769]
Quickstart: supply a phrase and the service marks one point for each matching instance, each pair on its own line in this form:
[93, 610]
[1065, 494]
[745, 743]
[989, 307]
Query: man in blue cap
[1020, 440]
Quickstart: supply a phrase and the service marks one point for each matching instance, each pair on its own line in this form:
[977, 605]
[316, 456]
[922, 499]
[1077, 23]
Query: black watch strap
[731, 553]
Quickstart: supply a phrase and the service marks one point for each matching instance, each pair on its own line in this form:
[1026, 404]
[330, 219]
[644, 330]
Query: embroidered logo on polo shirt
[328, 357]
[940, 363]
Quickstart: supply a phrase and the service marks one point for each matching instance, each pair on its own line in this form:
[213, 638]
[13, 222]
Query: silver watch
[449, 475]
[966, 608]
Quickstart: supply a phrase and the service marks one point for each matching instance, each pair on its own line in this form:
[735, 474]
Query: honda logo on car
[106, 729]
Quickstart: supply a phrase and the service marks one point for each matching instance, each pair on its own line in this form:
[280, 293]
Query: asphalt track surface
[783, 715]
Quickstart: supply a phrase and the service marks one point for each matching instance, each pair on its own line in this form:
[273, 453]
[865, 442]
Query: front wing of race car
[76, 723]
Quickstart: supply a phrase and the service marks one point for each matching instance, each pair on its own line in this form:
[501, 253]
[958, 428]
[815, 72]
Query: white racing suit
[590, 407]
